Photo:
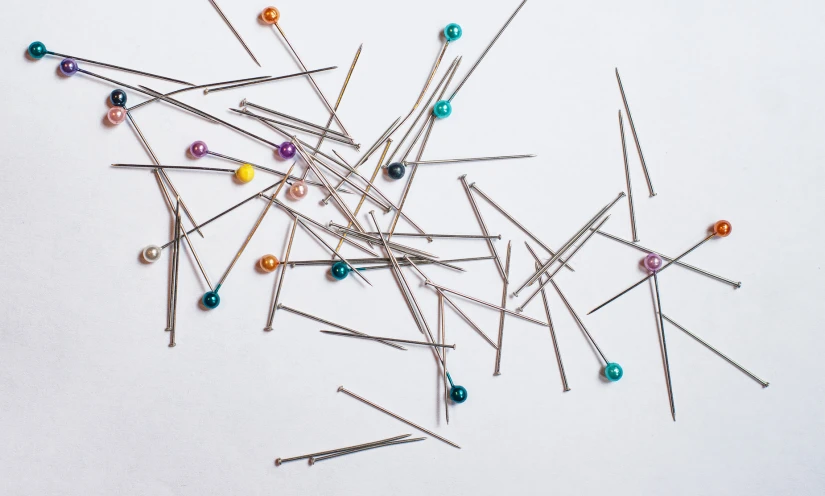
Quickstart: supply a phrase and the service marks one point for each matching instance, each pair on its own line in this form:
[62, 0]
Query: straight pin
[722, 355]
[483, 226]
[612, 370]
[565, 387]
[283, 266]
[653, 263]
[333, 250]
[635, 136]
[627, 179]
[271, 16]
[334, 324]
[487, 304]
[230, 85]
[735, 284]
[341, 389]
[461, 160]
[280, 461]
[394, 340]
[220, 12]
[190, 88]
[314, 460]
[37, 51]
[518, 224]
[501, 317]
[722, 229]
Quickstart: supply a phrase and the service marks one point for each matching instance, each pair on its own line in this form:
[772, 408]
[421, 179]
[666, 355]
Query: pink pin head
[653, 262]
[116, 115]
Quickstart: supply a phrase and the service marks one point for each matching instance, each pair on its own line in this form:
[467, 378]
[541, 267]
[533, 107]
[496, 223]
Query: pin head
[245, 173]
[198, 149]
[442, 109]
[339, 270]
[298, 190]
[68, 67]
[396, 170]
[118, 98]
[613, 371]
[116, 115]
[151, 253]
[452, 32]
[653, 262]
[37, 50]
[287, 150]
[211, 299]
[458, 394]
[722, 228]
[270, 15]
[268, 263]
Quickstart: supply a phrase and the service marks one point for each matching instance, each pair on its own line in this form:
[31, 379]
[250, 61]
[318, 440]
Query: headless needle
[220, 12]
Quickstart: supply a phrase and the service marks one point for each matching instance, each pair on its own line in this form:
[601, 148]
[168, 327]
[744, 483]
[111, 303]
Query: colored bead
[396, 170]
[613, 372]
[68, 67]
[270, 15]
[116, 115]
[245, 173]
[287, 150]
[452, 32]
[339, 270]
[37, 50]
[298, 190]
[442, 109]
[268, 263]
[118, 98]
[722, 228]
[198, 149]
[653, 262]
[458, 394]
[211, 299]
[151, 253]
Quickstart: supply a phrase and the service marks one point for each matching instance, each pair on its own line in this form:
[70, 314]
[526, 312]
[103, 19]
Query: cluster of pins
[336, 177]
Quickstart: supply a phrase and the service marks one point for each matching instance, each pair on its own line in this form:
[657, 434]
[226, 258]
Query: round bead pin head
[452, 32]
[118, 98]
[339, 270]
[722, 228]
[37, 50]
[270, 15]
[613, 372]
[198, 149]
[653, 262]
[396, 170]
[442, 109]
[211, 300]
[68, 67]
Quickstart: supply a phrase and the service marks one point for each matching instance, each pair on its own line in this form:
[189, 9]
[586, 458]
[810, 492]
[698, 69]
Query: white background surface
[729, 106]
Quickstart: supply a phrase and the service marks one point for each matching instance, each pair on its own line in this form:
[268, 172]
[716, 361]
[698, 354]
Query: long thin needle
[220, 12]
[664, 348]
[635, 136]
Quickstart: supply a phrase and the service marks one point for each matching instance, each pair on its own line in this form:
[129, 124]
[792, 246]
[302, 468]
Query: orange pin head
[268, 263]
[722, 228]
[270, 15]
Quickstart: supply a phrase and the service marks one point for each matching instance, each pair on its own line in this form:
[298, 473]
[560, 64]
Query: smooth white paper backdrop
[729, 107]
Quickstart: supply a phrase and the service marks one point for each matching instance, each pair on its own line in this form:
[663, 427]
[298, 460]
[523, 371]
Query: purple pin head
[198, 149]
[287, 150]
[68, 67]
[653, 262]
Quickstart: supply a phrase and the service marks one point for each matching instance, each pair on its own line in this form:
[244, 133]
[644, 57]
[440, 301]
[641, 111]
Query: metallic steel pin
[340, 138]
[174, 280]
[735, 284]
[452, 303]
[230, 85]
[442, 336]
[246, 103]
[459, 160]
[341, 389]
[190, 88]
[183, 167]
[220, 12]
[518, 224]
[314, 460]
[280, 461]
[654, 267]
[271, 16]
[334, 324]
[627, 179]
[722, 355]
[484, 53]
[612, 370]
[551, 275]
[503, 305]
[487, 304]
[394, 340]
[565, 387]
[483, 226]
[383, 261]
[635, 136]
[283, 267]
[722, 229]
[37, 50]
[569, 243]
